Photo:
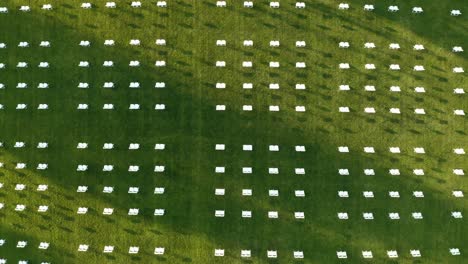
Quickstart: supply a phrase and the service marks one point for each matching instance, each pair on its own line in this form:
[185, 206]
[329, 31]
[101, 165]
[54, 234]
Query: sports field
[263, 112]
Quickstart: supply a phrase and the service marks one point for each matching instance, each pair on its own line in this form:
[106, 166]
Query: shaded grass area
[190, 128]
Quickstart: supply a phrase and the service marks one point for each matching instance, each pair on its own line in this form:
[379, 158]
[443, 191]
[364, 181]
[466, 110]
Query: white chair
[85, 43]
[272, 254]
[47, 7]
[109, 42]
[135, 42]
[369, 45]
[159, 251]
[417, 10]
[344, 45]
[455, 12]
[23, 44]
[135, 4]
[274, 43]
[111, 5]
[161, 4]
[393, 9]
[44, 44]
[392, 253]
[274, 4]
[343, 6]
[300, 5]
[221, 3]
[219, 252]
[108, 249]
[246, 253]
[394, 46]
[418, 47]
[368, 7]
[220, 42]
[367, 254]
[341, 254]
[86, 5]
[83, 248]
[248, 43]
[25, 8]
[344, 66]
[248, 4]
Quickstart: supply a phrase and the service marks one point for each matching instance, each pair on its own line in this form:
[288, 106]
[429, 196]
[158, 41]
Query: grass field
[190, 127]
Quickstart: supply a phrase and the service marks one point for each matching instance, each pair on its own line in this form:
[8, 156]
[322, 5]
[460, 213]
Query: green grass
[190, 128]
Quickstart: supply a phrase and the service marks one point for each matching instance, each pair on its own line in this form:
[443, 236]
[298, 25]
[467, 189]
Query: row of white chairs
[84, 64]
[42, 64]
[395, 89]
[26, 8]
[81, 248]
[249, 147]
[397, 150]
[396, 194]
[395, 110]
[367, 254]
[131, 211]
[84, 85]
[272, 86]
[343, 87]
[158, 107]
[369, 172]
[247, 253]
[221, 85]
[394, 8]
[222, 191]
[367, 66]
[131, 250]
[22, 207]
[393, 254]
[394, 46]
[83, 43]
[395, 215]
[84, 210]
[247, 4]
[134, 4]
[342, 44]
[83, 145]
[342, 109]
[83, 167]
[23, 106]
[24, 243]
[271, 108]
[372, 88]
[396, 172]
[25, 44]
[342, 66]
[245, 147]
[158, 146]
[245, 170]
[85, 188]
[248, 214]
[250, 4]
[249, 192]
[222, 43]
